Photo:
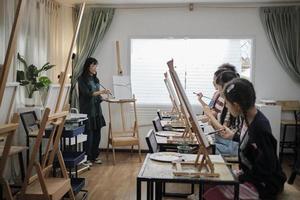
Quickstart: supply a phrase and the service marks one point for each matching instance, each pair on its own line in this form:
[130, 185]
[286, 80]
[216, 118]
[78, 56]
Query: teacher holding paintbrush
[89, 102]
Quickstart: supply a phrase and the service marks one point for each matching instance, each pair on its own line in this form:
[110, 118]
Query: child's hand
[226, 133]
[200, 95]
[237, 172]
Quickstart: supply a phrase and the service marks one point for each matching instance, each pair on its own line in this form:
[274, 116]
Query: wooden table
[17, 150]
[156, 173]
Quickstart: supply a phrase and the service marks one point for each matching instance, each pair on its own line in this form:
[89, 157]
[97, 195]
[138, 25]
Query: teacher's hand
[107, 91]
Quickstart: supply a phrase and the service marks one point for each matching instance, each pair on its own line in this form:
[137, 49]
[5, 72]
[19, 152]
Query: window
[196, 60]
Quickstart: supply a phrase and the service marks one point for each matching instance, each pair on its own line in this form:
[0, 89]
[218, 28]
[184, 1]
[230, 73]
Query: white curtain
[7, 11]
[45, 36]
[39, 36]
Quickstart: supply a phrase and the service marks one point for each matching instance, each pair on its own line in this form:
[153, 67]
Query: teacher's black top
[90, 104]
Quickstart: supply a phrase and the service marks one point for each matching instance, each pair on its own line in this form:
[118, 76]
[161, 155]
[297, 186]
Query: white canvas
[122, 87]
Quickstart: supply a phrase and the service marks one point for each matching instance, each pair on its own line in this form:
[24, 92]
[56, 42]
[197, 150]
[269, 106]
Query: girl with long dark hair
[224, 118]
[89, 102]
[260, 174]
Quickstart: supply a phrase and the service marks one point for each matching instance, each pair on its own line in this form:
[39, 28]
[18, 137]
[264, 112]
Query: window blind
[195, 60]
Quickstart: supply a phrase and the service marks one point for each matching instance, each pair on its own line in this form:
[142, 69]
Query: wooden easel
[62, 77]
[205, 161]
[175, 104]
[187, 133]
[41, 185]
[11, 48]
[8, 129]
[130, 137]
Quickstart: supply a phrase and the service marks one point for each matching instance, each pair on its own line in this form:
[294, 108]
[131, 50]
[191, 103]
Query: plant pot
[37, 98]
[30, 102]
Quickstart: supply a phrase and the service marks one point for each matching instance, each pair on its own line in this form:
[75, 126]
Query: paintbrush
[202, 95]
[216, 131]
[106, 89]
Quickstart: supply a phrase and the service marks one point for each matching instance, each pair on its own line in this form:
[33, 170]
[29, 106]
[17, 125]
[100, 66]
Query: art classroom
[150, 99]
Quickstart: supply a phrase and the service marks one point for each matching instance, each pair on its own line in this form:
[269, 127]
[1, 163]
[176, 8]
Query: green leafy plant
[31, 77]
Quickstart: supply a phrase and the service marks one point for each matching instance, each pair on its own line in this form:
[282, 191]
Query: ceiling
[116, 2]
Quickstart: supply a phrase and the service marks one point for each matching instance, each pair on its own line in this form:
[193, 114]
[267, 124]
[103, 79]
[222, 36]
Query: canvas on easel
[184, 115]
[181, 115]
[122, 87]
[200, 136]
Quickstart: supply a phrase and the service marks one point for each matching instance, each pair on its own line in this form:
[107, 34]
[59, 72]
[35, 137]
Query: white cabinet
[273, 113]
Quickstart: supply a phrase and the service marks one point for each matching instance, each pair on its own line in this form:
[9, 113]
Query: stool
[289, 106]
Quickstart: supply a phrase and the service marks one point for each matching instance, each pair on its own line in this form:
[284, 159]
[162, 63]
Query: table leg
[21, 162]
[149, 190]
[158, 190]
[41, 152]
[138, 189]
[27, 151]
[201, 190]
[236, 191]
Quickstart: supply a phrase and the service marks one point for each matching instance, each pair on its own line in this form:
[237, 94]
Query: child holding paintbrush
[223, 118]
[260, 175]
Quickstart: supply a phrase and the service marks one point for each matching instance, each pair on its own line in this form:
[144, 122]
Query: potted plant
[31, 77]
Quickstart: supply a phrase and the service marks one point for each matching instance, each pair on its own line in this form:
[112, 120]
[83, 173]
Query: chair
[125, 137]
[7, 131]
[296, 168]
[151, 142]
[42, 185]
[294, 107]
[159, 114]
[157, 124]
[31, 126]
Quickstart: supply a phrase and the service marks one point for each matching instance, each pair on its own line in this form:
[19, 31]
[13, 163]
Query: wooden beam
[63, 77]
[11, 48]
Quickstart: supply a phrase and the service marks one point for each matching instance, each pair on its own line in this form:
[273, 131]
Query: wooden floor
[118, 182]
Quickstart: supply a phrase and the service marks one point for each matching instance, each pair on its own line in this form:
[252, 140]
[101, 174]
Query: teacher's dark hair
[88, 62]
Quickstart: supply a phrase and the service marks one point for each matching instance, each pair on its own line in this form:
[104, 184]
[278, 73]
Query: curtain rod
[195, 5]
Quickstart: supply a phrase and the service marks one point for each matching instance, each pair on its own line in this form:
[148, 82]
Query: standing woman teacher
[89, 102]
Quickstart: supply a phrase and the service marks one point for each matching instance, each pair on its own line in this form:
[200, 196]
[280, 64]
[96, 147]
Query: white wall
[270, 80]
